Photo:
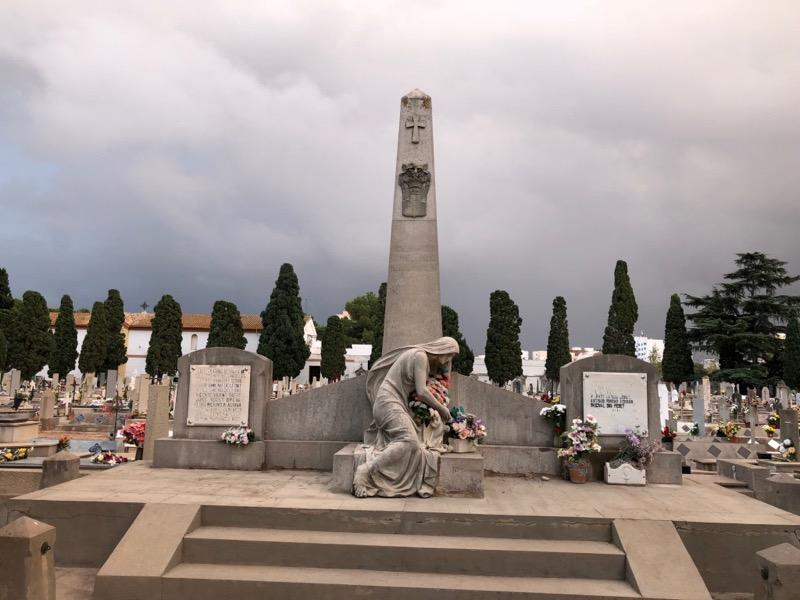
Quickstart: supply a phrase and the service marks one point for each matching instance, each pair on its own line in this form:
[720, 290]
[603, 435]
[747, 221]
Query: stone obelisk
[413, 305]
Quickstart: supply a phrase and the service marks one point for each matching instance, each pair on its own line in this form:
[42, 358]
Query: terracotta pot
[578, 471]
[460, 446]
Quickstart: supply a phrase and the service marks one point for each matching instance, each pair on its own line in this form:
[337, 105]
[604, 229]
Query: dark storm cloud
[193, 148]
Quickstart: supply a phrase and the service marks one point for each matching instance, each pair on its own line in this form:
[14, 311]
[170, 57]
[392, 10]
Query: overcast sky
[192, 148]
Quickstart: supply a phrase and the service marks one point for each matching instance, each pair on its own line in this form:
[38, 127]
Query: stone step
[410, 523]
[248, 582]
[398, 552]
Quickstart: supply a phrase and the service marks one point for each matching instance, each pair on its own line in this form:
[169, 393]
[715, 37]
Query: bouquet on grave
[730, 429]
[134, 433]
[108, 458]
[667, 435]
[439, 387]
[774, 420]
[63, 443]
[238, 436]
[581, 440]
[465, 426]
[557, 413]
[9, 455]
[787, 450]
[769, 430]
[636, 449]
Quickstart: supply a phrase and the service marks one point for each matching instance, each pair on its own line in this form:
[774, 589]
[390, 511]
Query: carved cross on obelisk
[415, 122]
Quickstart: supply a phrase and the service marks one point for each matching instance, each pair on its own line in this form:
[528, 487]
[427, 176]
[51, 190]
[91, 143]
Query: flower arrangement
[439, 387]
[108, 458]
[63, 443]
[581, 439]
[695, 431]
[465, 426]
[734, 411]
[769, 430]
[788, 451]
[238, 436]
[667, 435]
[774, 420]
[636, 450]
[9, 455]
[730, 429]
[134, 433]
[557, 413]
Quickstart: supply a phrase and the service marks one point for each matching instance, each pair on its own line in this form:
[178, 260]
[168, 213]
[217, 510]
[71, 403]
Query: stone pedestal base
[665, 468]
[18, 432]
[459, 474]
[49, 424]
[172, 453]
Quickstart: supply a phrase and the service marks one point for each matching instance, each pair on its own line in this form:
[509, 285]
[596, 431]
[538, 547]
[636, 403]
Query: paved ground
[74, 584]
[699, 499]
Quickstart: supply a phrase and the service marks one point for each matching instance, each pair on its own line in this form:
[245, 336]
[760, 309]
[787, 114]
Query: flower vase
[139, 452]
[667, 445]
[459, 446]
[578, 471]
[624, 474]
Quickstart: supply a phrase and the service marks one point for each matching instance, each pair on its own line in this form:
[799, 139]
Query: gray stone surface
[413, 305]
[778, 573]
[62, 466]
[782, 490]
[520, 460]
[14, 382]
[27, 567]
[789, 427]
[572, 388]
[752, 474]
[699, 408]
[157, 419]
[343, 469]
[260, 387]
[21, 431]
[665, 468]
[47, 407]
[142, 393]
[302, 454]
[461, 475]
[181, 453]
[111, 384]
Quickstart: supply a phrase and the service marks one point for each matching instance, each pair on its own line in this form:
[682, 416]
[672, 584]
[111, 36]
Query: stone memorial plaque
[218, 395]
[617, 400]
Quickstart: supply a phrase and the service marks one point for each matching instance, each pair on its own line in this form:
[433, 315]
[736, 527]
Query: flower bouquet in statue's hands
[439, 387]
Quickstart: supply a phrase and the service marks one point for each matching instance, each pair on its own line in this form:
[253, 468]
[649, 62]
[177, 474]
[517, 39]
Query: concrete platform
[721, 528]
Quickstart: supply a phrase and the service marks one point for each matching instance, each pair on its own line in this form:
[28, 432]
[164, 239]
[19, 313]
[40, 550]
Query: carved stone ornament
[415, 181]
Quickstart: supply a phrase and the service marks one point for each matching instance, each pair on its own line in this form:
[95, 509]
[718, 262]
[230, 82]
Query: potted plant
[730, 429]
[629, 466]
[465, 431]
[580, 441]
[667, 437]
[557, 413]
[134, 434]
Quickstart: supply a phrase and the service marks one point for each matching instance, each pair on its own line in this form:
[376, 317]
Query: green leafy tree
[116, 352]
[362, 325]
[503, 350]
[677, 364]
[332, 363]
[165, 338]
[226, 327]
[6, 305]
[791, 356]
[558, 353]
[65, 338]
[31, 340]
[282, 339]
[377, 342]
[622, 315]
[466, 358]
[95, 344]
[3, 352]
[743, 319]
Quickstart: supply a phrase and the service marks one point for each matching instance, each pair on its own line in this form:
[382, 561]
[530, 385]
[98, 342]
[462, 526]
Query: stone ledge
[302, 454]
[461, 475]
[172, 453]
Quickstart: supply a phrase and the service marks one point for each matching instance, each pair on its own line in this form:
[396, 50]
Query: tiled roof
[143, 320]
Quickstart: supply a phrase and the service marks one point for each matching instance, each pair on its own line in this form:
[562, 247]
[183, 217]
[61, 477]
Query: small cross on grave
[414, 122]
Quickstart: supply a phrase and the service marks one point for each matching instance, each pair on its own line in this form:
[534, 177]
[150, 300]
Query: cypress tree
[3, 352]
[558, 353]
[622, 315]
[65, 346]
[503, 350]
[282, 339]
[95, 344]
[226, 327]
[332, 363]
[377, 344]
[31, 340]
[791, 355]
[116, 353]
[677, 365]
[466, 358]
[6, 303]
[165, 338]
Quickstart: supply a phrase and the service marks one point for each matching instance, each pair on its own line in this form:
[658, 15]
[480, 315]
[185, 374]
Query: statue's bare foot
[360, 479]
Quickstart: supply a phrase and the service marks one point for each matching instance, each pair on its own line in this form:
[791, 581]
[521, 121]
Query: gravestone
[782, 394]
[70, 383]
[706, 385]
[142, 387]
[56, 380]
[619, 391]
[47, 417]
[789, 427]
[765, 396]
[15, 382]
[218, 388]
[724, 410]
[111, 385]
[157, 418]
[101, 380]
[699, 409]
